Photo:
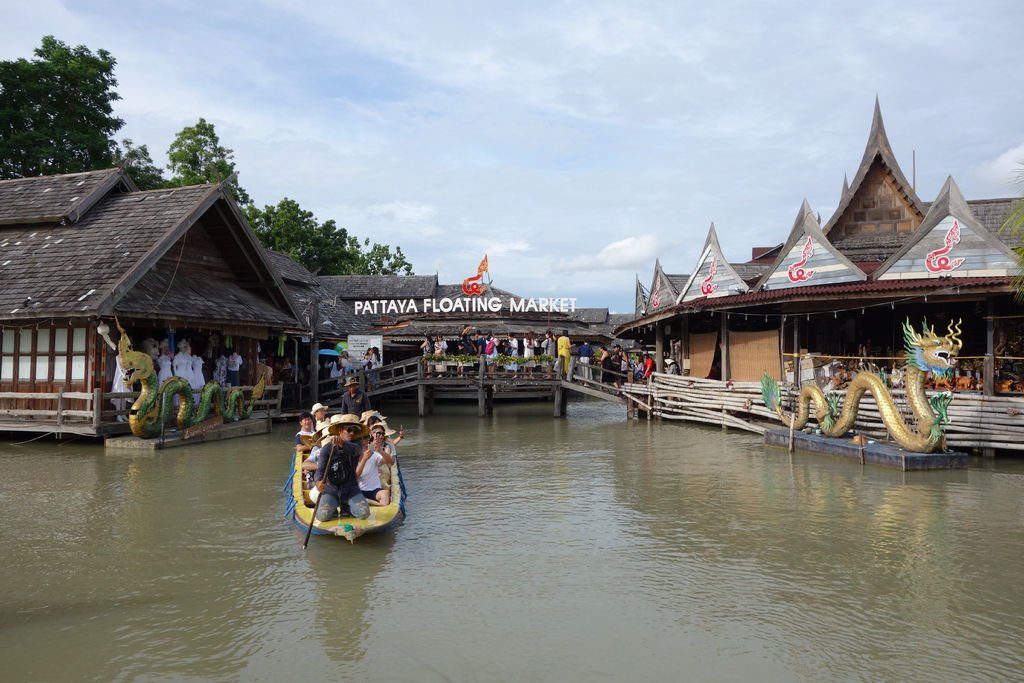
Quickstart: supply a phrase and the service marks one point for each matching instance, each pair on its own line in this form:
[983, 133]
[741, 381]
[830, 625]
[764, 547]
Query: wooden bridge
[485, 384]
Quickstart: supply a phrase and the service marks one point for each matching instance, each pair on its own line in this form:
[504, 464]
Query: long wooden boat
[382, 517]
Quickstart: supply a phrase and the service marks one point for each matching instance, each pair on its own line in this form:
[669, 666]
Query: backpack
[489, 349]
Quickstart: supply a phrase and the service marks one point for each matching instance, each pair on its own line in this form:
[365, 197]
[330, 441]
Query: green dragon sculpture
[152, 410]
[925, 352]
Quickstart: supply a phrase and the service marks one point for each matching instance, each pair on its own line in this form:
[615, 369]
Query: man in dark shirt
[354, 401]
[335, 477]
[585, 354]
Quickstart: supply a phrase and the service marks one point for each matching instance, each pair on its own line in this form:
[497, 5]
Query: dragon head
[136, 365]
[929, 352]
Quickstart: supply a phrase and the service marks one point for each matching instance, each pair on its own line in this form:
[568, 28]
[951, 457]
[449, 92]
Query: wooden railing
[976, 421]
[91, 412]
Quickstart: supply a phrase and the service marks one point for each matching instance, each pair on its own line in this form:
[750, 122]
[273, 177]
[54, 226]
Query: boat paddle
[316, 504]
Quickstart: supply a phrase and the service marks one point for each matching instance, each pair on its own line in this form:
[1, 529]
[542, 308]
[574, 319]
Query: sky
[572, 142]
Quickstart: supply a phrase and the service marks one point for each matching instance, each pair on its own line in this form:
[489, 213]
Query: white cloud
[1003, 175]
[629, 254]
[572, 142]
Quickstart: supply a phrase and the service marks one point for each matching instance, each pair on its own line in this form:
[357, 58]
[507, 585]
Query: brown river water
[536, 549]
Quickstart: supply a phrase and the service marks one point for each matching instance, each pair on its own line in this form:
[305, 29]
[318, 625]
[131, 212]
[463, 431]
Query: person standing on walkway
[585, 355]
[564, 352]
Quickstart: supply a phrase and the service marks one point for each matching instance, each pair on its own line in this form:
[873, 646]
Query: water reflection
[535, 549]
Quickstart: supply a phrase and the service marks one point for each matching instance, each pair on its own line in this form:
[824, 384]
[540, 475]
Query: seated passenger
[370, 462]
[335, 478]
[304, 441]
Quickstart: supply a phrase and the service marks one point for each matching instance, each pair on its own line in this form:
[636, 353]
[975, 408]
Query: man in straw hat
[336, 479]
[354, 400]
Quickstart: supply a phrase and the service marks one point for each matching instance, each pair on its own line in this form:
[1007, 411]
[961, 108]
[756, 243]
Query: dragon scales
[152, 410]
[925, 352]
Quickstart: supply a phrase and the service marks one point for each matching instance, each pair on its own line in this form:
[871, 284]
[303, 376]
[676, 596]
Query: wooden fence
[976, 421]
[90, 413]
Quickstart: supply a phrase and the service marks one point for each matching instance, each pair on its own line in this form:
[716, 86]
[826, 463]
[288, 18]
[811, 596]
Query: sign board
[359, 343]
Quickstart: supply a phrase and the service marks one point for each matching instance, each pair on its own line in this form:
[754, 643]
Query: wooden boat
[382, 517]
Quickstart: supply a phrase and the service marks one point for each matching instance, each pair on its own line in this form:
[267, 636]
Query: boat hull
[382, 517]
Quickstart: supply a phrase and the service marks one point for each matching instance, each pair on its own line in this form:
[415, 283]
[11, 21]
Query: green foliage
[940, 404]
[56, 111]
[769, 391]
[196, 157]
[1014, 226]
[140, 166]
[323, 248]
[832, 406]
[378, 260]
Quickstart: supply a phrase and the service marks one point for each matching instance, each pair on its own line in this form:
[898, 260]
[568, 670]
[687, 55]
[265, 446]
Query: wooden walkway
[486, 384]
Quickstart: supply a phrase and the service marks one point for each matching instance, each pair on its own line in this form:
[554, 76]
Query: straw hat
[316, 407]
[351, 382]
[367, 414]
[388, 431]
[339, 422]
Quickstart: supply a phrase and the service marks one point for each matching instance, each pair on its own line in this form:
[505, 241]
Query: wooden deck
[976, 421]
[91, 414]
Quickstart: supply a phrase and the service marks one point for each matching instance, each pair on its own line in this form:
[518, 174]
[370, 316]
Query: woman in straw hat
[369, 467]
[336, 480]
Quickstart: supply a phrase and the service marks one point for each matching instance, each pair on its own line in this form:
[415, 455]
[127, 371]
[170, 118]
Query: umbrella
[329, 352]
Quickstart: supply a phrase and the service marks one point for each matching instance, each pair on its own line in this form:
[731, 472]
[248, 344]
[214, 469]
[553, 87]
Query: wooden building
[78, 250]
[837, 294]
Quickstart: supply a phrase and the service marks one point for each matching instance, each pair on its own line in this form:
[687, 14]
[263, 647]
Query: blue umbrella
[329, 352]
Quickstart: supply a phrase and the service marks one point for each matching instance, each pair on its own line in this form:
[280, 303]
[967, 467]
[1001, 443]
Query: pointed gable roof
[877, 147]
[641, 299]
[714, 276]
[808, 258]
[951, 241]
[125, 256]
[663, 292]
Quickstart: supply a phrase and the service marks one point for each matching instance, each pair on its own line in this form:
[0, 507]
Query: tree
[323, 248]
[379, 260]
[56, 111]
[140, 166]
[196, 157]
[1014, 225]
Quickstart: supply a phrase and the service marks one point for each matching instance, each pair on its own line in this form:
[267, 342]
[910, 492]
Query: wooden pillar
[684, 345]
[782, 349]
[561, 400]
[481, 392]
[796, 352]
[97, 409]
[314, 353]
[989, 369]
[659, 347]
[421, 391]
[724, 334]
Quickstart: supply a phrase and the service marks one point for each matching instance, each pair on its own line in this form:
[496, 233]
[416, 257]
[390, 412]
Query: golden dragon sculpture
[925, 352]
[152, 410]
